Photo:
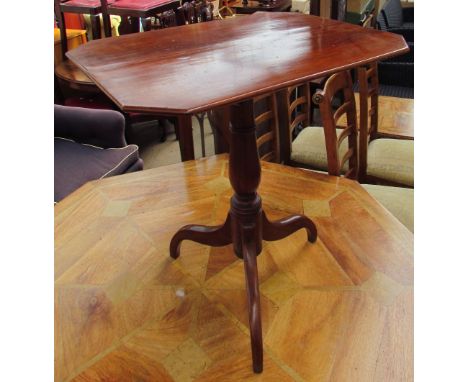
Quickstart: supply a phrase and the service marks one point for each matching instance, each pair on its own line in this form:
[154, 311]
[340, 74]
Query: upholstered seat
[71, 173]
[89, 144]
[309, 149]
[391, 160]
[84, 3]
[143, 5]
[398, 201]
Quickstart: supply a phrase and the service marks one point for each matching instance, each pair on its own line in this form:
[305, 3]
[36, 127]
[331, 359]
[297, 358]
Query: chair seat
[83, 3]
[391, 160]
[398, 201]
[143, 5]
[309, 149]
[77, 163]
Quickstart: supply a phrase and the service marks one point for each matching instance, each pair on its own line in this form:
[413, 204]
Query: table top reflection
[196, 67]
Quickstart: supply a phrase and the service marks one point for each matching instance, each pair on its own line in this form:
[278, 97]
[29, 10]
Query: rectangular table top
[125, 311]
[191, 68]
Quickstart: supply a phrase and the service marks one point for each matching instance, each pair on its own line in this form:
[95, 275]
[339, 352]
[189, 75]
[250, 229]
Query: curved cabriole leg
[281, 228]
[216, 236]
[253, 297]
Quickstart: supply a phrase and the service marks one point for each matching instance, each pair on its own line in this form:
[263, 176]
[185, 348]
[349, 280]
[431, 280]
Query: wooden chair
[337, 12]
[67, 73]
[307, 147]
[399, 201]
[88, 7]
[382, 160]
[266, 127]
[138, 10]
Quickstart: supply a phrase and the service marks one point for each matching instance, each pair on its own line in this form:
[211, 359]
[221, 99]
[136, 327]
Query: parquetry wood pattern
[337, 310]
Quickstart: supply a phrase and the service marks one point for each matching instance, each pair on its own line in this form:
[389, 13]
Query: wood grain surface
[340, 309]
[184, 70]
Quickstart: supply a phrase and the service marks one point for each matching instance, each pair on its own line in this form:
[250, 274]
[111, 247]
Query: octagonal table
[340, 309]
[194, 68]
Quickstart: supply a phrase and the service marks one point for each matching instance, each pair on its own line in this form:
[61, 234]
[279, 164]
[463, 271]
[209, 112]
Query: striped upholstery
[393, 12]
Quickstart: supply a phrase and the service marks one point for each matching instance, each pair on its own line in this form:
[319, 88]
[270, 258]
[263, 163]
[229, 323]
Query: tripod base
[247, 240]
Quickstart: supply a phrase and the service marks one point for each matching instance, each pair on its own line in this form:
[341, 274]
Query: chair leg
[95, 27]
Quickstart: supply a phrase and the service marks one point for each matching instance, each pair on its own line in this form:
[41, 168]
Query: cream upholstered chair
[398, 201]
[308, 149]
[382, 160]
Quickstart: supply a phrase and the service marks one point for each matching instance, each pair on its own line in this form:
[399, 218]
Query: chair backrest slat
[293, 111]
[369, 112]
[266, 125]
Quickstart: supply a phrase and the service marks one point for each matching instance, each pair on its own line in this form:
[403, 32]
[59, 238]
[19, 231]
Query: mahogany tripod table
[181, 71]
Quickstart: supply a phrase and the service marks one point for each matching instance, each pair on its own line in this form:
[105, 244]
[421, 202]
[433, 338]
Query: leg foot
[281, 228]
[216, 236]
[253, 297]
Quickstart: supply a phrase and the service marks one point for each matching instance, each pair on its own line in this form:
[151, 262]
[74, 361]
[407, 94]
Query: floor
[156, 153]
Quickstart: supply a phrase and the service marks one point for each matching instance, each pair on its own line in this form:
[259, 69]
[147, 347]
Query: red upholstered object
[142, 5]
[84, 3]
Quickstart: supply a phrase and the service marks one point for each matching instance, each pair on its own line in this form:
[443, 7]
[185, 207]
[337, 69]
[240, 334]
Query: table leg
[219, 121]
[246, 224]
[184, 127]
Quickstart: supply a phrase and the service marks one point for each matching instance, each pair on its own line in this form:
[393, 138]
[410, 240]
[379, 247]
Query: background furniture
[267, 37]
[347, 300]
[88, 7]
[75, 37]
[138, 10]
[89, 144]
[253, 6]
[397, 19]
[399, 201]
[382, 160]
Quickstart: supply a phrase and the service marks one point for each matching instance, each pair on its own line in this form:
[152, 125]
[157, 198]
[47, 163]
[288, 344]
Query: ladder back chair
[397, 200]
[305, 148]
[266, 127]
[67, 73]
[334, 137]
[382, 160]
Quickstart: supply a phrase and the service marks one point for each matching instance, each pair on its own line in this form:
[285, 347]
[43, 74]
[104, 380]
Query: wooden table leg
[246, 224]
[184, 127]
[219, 121]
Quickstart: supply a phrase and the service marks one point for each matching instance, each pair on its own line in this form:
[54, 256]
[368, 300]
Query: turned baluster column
[246, 214]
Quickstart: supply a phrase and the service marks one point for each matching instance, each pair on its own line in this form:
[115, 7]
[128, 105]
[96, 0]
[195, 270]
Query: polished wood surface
[337, 310]
[395, 117]
[265, 51]
[254, 6]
